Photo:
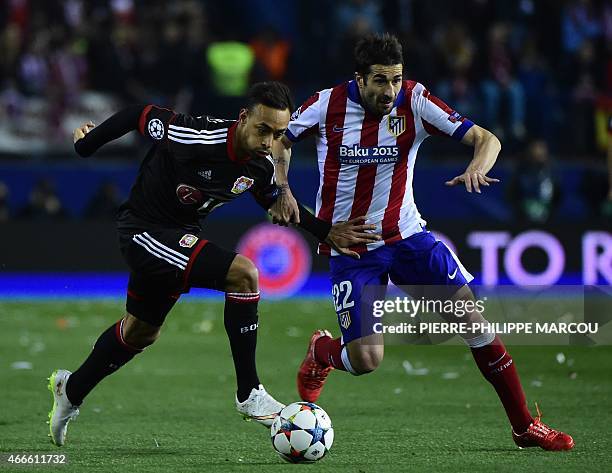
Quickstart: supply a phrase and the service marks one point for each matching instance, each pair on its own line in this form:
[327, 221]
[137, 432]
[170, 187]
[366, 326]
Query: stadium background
[536, 72]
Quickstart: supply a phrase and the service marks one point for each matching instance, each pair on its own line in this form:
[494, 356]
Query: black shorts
[165, 264]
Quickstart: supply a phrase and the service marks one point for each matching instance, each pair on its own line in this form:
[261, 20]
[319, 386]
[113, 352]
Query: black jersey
[190, 170]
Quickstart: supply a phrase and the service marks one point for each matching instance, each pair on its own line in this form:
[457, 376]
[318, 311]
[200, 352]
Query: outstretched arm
[440, 119]
[304, 122]
[486, 148]
[285, 210]
[89, 137]
[340, 236]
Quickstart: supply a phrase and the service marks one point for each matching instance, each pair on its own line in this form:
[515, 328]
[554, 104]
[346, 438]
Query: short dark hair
[373, 49]
[271, 94]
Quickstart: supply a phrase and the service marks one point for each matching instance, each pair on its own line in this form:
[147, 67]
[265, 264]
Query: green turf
[171, 409]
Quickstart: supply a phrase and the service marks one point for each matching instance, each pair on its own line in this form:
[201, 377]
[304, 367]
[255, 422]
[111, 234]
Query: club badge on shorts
[396, 124]
[188, 240]
[242, 184]
[345, 319]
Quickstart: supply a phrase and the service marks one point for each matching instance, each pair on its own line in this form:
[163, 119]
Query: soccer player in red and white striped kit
[368, 131]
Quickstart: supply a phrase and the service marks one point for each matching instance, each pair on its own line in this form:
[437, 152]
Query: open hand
[472, 179]
[343, 235]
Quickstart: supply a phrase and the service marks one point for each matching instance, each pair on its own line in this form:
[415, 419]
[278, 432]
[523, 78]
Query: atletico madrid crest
[396, 124]
[345, 319]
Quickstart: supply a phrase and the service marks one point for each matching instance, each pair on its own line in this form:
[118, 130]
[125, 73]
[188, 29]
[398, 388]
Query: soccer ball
[302, 433]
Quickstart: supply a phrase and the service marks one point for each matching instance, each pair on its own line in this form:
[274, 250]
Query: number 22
[344, 287]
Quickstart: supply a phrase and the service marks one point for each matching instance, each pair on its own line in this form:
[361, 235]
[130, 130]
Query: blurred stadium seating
[537, 73]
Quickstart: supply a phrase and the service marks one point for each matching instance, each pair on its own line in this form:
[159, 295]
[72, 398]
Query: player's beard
[385, 104]
[377, 107]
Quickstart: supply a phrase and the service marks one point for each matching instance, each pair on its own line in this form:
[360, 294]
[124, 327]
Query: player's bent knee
[365, 364]
[139, 334]
[469, 317]
[365, 359]
[242, 276]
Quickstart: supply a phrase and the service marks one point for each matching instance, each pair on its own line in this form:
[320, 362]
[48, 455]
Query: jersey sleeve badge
[156, 129]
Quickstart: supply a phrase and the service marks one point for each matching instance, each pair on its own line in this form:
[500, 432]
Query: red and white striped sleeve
[305, 120]
[437, 117]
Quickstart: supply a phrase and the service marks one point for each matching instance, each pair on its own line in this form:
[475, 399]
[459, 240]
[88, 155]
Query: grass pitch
[171, 408]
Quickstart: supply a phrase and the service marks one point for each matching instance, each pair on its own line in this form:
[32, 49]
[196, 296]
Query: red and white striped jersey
[366, 163]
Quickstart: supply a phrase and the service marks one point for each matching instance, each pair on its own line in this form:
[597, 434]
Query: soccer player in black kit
[195, 165]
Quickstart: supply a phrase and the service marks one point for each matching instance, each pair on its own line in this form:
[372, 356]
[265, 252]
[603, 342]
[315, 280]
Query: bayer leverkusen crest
[242, 184]
[396, 124]
[188, 240]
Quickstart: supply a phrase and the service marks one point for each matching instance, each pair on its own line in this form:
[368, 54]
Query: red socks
[494, 362]
[328, 352]
[497, 366]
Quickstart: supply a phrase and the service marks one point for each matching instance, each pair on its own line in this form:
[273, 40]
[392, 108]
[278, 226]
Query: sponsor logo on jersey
[156, 129]
[206, 174]
[339, 129]
[396, 124]
[189, 195]
[368, 155]
[454, 117]
[242, 184]
[188, 240]
[345, 319]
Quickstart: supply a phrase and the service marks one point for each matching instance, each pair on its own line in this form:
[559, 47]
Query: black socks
[110, 353]
[240, 319]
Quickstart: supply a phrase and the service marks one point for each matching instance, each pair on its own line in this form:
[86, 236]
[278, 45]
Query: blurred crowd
[536, 72]
[44, 204]
[523, 68]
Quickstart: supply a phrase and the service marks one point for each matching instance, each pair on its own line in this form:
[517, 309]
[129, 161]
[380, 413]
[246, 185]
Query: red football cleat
[312, 374]
[541, 435]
